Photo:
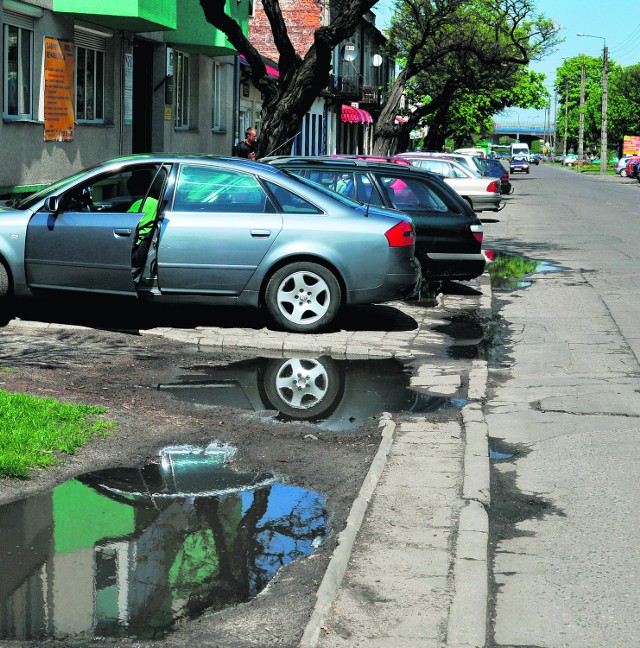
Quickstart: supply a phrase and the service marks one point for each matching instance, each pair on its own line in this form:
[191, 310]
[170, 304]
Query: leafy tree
[302, 79]
[462, 61]
[623, 117]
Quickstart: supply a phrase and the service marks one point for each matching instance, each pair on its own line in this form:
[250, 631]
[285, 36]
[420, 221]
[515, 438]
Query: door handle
[123, 231]
[260, 233]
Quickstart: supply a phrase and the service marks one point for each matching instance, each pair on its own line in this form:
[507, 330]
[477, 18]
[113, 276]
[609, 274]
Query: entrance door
[142, 97]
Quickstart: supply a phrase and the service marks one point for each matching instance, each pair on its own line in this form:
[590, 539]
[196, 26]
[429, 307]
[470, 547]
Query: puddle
[475, 338]
[511, 272]
[127, 552]
[335, 395]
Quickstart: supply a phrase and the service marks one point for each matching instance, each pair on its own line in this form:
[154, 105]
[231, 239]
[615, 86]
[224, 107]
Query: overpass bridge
[523, 132]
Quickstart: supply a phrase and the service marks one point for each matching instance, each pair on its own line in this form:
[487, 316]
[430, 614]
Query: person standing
[247, 148]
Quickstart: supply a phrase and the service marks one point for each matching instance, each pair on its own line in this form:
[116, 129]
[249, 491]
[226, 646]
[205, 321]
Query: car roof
[347, 163]
[240, 163]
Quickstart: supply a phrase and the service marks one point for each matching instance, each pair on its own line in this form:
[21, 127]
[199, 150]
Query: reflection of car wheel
[303, 388]
[303, 297]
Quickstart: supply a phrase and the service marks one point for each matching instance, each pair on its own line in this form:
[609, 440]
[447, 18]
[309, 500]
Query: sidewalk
[410, 570]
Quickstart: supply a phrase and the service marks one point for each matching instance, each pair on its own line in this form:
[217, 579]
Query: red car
[631, 165]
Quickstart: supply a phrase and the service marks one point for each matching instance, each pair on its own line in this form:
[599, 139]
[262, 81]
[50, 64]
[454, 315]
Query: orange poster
[631, 145]
[59, 57]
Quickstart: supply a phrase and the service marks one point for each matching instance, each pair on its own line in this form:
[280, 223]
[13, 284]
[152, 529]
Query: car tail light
[401, 234]
[493, 187]
[489, 255]
[505, 177]
[477, 232]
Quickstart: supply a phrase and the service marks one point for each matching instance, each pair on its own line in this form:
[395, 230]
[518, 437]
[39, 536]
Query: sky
[617, 21]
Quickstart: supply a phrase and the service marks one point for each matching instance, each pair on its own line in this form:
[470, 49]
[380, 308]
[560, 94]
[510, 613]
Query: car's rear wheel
[303, 297]
[623, 173]
[4, 282]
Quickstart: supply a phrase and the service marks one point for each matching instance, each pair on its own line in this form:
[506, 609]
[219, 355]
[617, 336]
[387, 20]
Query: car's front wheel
[623, 173]
[5, 295]
[303, 297]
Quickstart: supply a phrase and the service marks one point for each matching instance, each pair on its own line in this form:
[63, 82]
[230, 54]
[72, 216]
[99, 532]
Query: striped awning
[353, 115]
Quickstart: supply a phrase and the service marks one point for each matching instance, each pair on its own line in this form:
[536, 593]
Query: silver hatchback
[200, 229]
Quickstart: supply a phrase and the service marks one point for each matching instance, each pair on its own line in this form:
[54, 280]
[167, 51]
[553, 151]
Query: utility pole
[604, 153]
[566, 118]
[581, 128]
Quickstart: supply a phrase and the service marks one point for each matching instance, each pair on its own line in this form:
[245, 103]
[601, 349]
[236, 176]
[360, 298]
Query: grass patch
[33, 431]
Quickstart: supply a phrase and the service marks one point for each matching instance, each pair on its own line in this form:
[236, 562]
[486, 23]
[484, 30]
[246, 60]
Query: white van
[520, 148]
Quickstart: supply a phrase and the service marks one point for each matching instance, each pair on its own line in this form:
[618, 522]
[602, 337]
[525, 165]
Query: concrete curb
[467, 625]
[332, 579]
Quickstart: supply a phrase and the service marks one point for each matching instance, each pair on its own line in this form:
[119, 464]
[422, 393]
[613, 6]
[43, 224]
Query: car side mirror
[52, 204]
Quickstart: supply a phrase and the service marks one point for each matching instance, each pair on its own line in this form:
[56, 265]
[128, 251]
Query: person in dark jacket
[247, 148]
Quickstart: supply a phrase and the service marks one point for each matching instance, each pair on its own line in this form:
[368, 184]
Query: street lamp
[603, 133]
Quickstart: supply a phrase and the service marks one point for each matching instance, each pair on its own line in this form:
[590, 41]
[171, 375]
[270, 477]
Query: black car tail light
[477, 232]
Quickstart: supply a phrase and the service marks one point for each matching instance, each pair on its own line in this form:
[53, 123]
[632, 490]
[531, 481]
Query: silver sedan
[482, 193]
[205, 230]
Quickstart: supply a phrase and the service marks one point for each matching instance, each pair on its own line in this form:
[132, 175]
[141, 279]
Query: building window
[89, 81]
[183, 85]
[18, 67]
[219, 97]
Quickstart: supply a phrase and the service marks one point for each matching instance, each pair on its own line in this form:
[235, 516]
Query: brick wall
[302, 18]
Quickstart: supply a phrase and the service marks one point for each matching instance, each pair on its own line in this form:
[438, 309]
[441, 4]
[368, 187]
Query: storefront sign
[59, 60]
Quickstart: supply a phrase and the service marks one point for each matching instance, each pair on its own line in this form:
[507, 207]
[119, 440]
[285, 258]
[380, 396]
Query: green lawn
[35, 431]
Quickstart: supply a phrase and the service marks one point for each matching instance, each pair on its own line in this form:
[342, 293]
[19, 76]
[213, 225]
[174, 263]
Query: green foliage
[464, 61]
[34, 430]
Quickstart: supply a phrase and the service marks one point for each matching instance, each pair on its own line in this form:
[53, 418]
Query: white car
[482, 193]
[620, 166]
[570, 160]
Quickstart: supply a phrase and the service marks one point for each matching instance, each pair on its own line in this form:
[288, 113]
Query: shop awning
[271, 71]
[353, 115]
[401, 120]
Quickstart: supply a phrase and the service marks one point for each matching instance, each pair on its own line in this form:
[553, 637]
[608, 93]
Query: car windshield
[31, 199]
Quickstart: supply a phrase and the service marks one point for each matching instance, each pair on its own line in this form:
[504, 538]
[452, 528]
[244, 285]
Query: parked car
[491, 168]
[536, 158]
[570, 160]
[448, 232]
[226, 231]
[620, 167]
[519, 164]
[472, 162]
[631, 166]
[483, 194]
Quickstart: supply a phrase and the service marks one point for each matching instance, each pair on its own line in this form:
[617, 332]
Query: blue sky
[617, 21]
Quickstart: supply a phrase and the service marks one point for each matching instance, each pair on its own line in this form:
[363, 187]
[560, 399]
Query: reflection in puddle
[128, 551]
[475, 338]
[495, 455]
[510, 272]
[336, 395]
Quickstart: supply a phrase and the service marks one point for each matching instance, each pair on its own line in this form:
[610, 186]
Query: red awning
[353, 115]
[271, 71]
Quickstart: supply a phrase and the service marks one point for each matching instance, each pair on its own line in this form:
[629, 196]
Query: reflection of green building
[103, 561]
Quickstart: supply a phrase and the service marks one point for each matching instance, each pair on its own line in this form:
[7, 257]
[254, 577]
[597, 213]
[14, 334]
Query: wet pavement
[410, 568]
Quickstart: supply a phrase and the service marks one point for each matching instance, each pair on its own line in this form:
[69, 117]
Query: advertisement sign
[59, 58]
[631, 145]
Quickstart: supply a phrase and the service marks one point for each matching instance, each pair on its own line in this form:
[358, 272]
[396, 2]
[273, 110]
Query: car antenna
[283, 144]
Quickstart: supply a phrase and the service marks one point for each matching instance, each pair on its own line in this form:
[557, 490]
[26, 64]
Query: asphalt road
[565, 401]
